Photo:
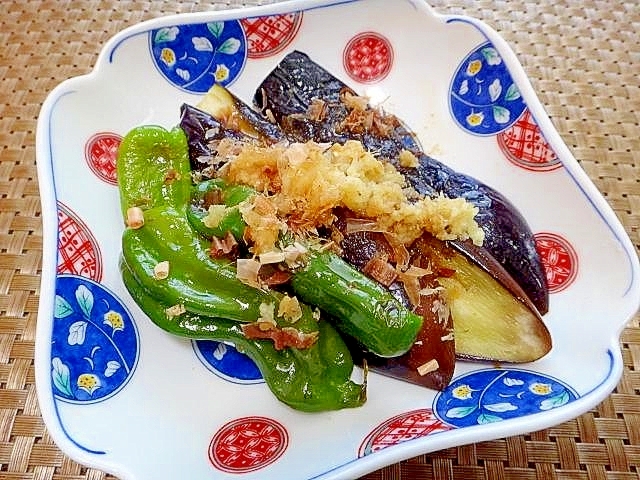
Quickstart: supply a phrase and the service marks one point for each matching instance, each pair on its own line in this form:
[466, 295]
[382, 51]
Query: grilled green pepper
[310, 380]
[360, 306]
[153, 168]
[154, 174]
[230, 197]
[201, 284]
[154, 171]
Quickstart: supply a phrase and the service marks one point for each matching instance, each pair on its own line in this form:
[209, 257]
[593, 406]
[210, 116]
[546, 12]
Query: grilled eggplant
[500, 325]
[475, 308]
[309, 103]
[432, 360]
[237, 116]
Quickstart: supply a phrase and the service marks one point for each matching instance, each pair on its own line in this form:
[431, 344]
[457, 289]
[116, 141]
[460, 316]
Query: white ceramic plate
[118, 394]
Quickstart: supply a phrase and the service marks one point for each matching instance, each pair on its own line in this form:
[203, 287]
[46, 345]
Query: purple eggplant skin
[201, 129]
[288, 91]
[357, 249]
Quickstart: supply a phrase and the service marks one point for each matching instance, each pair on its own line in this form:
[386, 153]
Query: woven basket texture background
[583, 59]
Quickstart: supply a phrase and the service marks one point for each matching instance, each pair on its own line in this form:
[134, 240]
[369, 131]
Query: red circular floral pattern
[269, 35]
[401, 428]
[78, 250]
[368, 57]
[100, 153]
[559, 259]
[248, 444]
[524, 145]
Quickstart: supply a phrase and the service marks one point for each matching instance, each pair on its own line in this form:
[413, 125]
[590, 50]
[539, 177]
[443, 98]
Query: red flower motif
[248, 444]
[368, 57]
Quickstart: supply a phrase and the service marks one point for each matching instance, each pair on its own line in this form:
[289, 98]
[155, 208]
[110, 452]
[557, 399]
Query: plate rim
[359, 465]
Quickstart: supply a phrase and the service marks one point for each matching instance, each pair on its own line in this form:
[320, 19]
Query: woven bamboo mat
[583, 58]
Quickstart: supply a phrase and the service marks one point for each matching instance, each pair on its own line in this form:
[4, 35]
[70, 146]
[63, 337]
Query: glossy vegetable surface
[310, 380]
[288, 92]
[359, 306]
[201, 284]
[154, 166]
[500, 298]
[427, 347]
[497, 326]
[155, 163]
[435, 344]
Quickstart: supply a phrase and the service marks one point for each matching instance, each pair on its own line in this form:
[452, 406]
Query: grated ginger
[214, 216]
[408, 159]
[289, 309]
[302, 183]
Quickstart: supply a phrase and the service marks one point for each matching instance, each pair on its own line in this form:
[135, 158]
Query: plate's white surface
[160, 420]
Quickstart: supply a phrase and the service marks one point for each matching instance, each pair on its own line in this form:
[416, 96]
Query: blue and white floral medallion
[483, 98]
[195, 56]
[493, 395]
[227, 362]
[94, 342]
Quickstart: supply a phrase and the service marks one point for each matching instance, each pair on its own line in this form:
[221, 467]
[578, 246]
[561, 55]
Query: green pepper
[310, 380]
[202, 284]
[154, 174]
[154, 170]
[360, 306]
[231, 197]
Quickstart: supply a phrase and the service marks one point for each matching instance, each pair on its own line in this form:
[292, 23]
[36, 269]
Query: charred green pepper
[310, 380]
[154, 170]
[154, 175]
[360, 306]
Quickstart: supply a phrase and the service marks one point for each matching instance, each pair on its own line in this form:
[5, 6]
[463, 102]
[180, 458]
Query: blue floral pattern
[227, 362]
[484, 100]
[94, 345]
[487, 396]
[195, 56]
